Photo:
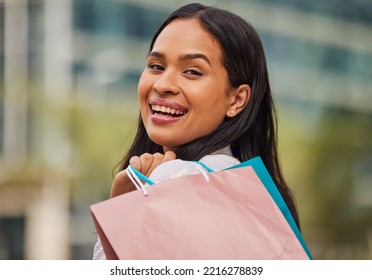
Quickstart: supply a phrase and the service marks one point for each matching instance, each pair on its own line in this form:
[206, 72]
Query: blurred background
[68, 111]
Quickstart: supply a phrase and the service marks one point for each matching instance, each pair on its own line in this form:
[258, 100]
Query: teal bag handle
[204, 166]
[148, 181]
[141, 176]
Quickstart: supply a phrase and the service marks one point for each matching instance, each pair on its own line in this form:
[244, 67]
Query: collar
[224, 151]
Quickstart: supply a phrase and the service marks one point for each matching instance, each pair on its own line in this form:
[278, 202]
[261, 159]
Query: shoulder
[219, 161]
[172, 169]
[176, 168]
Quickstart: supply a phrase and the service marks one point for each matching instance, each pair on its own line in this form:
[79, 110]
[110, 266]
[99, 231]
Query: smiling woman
[185, 73]
[204, 95]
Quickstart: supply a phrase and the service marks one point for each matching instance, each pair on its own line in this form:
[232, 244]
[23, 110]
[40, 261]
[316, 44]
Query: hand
[145, 164]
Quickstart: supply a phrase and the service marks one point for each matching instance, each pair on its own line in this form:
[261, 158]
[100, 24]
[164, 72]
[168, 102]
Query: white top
[218, 160]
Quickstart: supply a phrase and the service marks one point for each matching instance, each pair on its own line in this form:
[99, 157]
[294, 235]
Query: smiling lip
[165, 111]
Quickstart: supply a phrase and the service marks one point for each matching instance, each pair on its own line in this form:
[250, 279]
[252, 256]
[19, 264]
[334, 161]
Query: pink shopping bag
[231, 216]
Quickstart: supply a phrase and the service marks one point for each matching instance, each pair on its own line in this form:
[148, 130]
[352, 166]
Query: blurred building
[57, 52]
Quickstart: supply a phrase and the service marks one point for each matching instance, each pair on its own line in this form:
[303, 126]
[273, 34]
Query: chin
[165, 142]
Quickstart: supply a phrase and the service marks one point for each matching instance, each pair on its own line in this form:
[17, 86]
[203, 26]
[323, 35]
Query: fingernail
[134, 161]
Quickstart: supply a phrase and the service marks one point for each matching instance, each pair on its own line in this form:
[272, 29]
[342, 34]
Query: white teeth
[164, 109]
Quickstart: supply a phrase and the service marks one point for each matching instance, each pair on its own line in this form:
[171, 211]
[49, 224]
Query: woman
[204, 95]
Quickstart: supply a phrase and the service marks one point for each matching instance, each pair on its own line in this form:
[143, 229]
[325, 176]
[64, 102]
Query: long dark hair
[251, 133]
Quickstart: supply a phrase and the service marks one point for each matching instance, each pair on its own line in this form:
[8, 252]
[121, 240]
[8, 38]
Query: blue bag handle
[148, 181]
[141, 176]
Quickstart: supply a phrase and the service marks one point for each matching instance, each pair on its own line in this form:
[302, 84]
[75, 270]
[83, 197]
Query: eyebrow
[184, 56]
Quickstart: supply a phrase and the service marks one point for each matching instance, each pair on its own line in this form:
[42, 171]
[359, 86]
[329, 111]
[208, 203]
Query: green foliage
[100, 139]
[328, 161]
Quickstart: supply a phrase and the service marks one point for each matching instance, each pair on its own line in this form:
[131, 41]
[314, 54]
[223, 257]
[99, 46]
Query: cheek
[214, 104]
[212, 113]
[143, 88]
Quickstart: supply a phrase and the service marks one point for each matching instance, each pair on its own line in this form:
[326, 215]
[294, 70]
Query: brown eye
[156, 67]
[193, 72]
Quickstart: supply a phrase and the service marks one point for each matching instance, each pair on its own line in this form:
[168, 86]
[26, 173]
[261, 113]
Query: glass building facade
[68, 76]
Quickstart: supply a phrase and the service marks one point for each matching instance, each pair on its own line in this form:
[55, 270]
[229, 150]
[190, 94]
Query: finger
[135, 162]
[169, 155]
[146, 161]
[157, 159]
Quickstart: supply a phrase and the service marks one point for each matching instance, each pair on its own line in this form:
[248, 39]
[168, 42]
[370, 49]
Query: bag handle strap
[202, 164]
[135, 180]
[135, 176]
[141, 176]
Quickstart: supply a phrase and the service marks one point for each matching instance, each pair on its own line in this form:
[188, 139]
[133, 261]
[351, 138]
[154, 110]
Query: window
[12, 238]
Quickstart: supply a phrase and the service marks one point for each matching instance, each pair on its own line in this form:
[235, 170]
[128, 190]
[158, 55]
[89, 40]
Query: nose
[166, 83]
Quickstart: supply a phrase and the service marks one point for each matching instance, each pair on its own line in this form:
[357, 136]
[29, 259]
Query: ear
[239, 98]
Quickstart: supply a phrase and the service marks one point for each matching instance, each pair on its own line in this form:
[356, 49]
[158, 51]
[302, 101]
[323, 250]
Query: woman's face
[183, 91]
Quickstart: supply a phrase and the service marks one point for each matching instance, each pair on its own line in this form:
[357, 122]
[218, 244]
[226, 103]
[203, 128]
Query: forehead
[187, 36]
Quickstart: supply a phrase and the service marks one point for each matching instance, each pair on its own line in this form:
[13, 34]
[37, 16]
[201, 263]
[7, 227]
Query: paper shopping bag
[264, 175]
[232, 216]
